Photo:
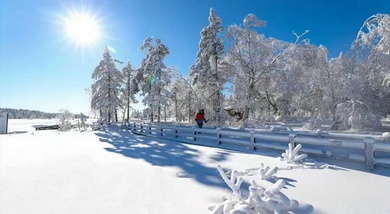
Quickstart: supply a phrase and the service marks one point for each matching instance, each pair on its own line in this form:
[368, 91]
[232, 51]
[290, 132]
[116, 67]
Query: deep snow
[115, 171]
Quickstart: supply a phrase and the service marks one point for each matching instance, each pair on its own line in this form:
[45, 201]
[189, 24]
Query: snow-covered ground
[115, 171]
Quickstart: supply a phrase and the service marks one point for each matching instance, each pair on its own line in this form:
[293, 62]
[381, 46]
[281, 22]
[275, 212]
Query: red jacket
[199, 116]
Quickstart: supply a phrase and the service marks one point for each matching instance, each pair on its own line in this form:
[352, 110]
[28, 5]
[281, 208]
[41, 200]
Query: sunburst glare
[82, 28]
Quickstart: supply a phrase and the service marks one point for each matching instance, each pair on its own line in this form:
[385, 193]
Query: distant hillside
[27, 114]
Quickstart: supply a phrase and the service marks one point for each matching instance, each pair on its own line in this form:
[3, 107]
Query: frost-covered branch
[291, 154]
[267, 172]
[234, 182]
[298, 37]
[264, 197]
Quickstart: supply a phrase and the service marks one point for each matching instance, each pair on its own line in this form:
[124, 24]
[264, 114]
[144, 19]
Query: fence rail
[367, 150]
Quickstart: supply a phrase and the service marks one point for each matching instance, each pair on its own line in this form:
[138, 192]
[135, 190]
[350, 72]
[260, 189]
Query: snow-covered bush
[291, 154]
[280, 129]
[354, 114]
[264, 197]
[386, 136]
[64, 120]
[313, 124]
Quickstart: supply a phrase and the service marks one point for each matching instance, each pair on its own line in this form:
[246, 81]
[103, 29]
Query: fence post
[161, 131]
[253, 139]
[194, 134]
[142, 128]
[176, 135]
[291, 139]
[219, 136]
[369, 146]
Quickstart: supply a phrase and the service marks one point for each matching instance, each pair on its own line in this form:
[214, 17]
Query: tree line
[26, 114]
[266, 78]
[31, 114]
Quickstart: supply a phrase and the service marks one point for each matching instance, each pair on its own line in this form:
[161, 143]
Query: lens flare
[82, 28]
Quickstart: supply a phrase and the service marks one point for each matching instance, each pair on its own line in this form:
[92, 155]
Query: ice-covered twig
[230, 182]
[264, 196]
[221, 208]
[267, 172]
[291, 154]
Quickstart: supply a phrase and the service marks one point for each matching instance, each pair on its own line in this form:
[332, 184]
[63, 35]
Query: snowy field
[115, 171]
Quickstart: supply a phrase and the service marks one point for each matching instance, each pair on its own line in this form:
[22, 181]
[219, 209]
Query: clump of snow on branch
[251, 20]
[267, 172]
[264, 197]
[291, 154]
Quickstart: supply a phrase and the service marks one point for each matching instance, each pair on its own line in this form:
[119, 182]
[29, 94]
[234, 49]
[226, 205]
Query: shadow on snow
[165, 153]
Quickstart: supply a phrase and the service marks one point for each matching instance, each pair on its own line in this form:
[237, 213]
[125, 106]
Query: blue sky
[41, 69]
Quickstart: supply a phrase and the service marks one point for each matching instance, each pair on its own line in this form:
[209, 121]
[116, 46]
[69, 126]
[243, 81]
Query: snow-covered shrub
[280, 129]
[386, 136]
[64, 120]
[264, 197]
[291, 154]
[312, 124]
[354, 114]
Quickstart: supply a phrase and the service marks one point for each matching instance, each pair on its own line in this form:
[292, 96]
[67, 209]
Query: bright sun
[82, 28]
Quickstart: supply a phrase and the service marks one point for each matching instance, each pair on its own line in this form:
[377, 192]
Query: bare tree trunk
[159, 114]
[218, 104]
[176, 116]
[189, 107]
[151, 113]
[128, 105]
[249, 98]
[165, 113]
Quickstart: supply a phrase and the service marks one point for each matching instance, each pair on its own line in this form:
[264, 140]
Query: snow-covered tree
[314, 75]
[365, 97]
[65, 118]
[186, 98]
[371, 61]
[253, 59]
[153, 76]
[206, 73]
[128, 92]
[106, 88]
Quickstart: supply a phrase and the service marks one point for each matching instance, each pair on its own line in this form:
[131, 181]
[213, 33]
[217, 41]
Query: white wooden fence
[367, 150]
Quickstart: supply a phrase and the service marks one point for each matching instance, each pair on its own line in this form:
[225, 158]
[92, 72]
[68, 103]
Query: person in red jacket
[199, 118]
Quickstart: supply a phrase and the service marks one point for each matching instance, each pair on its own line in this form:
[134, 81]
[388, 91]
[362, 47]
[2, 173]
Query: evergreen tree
[128, 92]
[207, 77]
[153, 76]
[106, 88]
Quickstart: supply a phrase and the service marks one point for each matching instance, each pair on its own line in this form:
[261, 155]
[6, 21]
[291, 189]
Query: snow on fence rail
[364, 149]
